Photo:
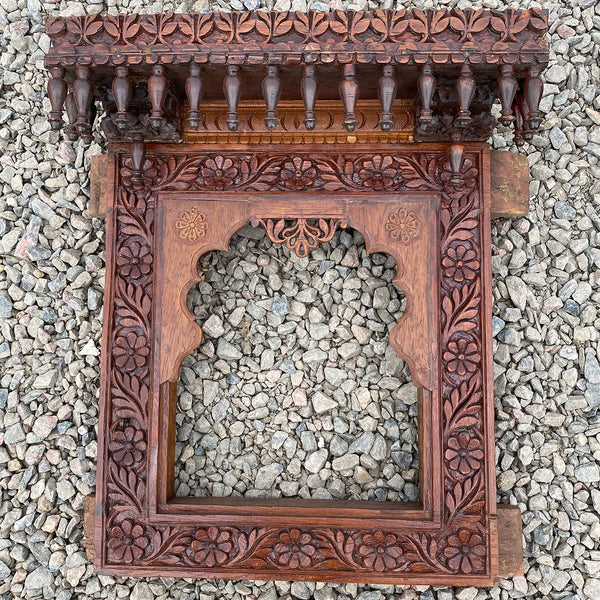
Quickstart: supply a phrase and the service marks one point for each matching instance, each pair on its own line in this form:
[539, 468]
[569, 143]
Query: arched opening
[295, 390]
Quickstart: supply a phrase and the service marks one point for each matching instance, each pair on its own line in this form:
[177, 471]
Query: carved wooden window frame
[141, 529]
[430, 200]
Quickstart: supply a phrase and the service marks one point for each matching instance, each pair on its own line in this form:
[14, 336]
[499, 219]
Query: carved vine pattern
[461, 545]
[402, 34]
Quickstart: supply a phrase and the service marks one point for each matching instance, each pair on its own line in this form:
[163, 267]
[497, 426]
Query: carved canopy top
[154, 73]
[415, 36]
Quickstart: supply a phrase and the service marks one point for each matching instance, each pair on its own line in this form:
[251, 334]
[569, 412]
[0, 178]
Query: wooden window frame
[429, 76]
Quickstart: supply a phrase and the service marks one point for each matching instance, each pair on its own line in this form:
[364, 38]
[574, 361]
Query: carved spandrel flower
[219, 173]
[295, 549]
[403, 225]
[131, 351]
[380, 551]
[298, 174]
[127, 446]
[462, 356]
[465, 552]
[134, 260]
[211, 547]
[128, 541]
[378, 173]
[460, 263]
[191, 224]
[464, 453]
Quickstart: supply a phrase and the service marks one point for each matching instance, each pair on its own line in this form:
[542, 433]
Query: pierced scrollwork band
[462, 543]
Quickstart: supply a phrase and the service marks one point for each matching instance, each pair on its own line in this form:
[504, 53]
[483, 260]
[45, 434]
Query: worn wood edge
[98, 185]
[510, 184]
[510, 541]
[89, 509]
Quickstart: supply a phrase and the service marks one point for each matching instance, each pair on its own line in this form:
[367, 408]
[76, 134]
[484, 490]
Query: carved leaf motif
[204, 26]
[509, 23]
[281, 24]
[399, 24]
[340, 24]
[360, 24]
[168, 26]
[469, 22]
[379, 24]
[186, 26]
[245, 24]
[55, 26]
[538, 20]
[224, 23]
[131, 28]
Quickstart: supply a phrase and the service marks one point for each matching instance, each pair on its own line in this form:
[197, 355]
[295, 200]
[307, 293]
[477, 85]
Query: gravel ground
[547, 288]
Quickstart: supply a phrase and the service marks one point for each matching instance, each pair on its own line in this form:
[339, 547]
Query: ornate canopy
[386, 75]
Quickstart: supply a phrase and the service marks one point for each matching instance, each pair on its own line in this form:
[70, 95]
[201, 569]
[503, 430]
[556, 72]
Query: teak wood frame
[438, 231]
[343, 92]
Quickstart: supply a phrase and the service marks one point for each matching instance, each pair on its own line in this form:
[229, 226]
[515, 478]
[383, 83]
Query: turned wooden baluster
[533, 89]
[71, 110]
[122, 89]
[271, 88]
[426, 85]
[193, 89]
[232, 88]
[388, 87]
[456, 158]
[308, 88]
[516, 110]
[57, 92]
[82, 92]
[523, 107]
[138, 157]
[465, 88]
[157, 90]
[507, 88]
[349, 95]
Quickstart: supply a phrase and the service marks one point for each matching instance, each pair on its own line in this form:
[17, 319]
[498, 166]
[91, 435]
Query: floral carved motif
[461, 544]
[191, 225]
[403, 225]
[403, 35]
[300, 235]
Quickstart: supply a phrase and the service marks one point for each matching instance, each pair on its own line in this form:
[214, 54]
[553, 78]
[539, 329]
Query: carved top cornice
[383, 36]
[154, 75]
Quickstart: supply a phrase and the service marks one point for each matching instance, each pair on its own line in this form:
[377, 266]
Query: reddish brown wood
[122, 89]
[427, 205]
[157, 90]
[309, 89]
[232, 88]
[271, 87]
[82, 94]
[388, 88]
[507, 88]
[193, 90]
[510, 184]
[71, 110]
[349, 96]
[510, 541]
[465, 88]
[57, 92]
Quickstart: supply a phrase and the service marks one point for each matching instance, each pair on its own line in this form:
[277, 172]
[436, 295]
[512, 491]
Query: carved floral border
[462, 544]
[404, 35]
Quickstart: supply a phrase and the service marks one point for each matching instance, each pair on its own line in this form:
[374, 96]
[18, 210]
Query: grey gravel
[546, 331]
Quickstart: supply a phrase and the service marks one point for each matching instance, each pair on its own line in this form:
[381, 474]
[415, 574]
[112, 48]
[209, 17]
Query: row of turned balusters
[520, 108]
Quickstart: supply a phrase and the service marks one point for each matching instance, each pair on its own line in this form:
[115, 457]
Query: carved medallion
[403, 225]
[191, 224]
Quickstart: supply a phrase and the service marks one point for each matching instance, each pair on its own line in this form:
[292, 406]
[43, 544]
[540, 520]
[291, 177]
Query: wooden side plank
[98, 187]
[510, 541]
[510, 184]
[89, 505]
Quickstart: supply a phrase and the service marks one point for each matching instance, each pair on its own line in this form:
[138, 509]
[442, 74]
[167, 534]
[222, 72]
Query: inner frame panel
[219, 216]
